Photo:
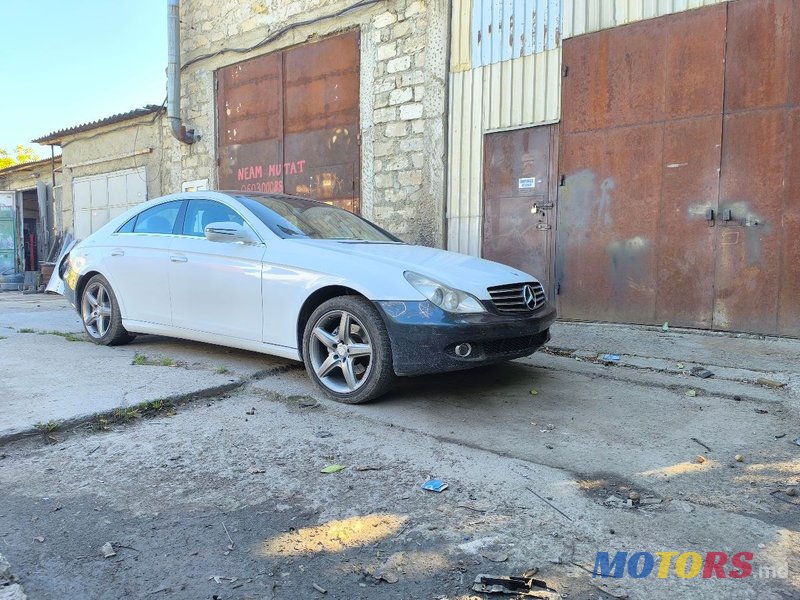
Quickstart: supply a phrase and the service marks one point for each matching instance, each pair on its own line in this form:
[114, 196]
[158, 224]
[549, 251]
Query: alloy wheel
[96, 309]
[340, 351]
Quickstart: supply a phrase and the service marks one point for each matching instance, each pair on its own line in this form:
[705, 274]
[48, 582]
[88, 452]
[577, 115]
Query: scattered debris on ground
[514, 586]
[701, 372]
[332, 469]
[434, 485]
[770, 383]
[107, 550]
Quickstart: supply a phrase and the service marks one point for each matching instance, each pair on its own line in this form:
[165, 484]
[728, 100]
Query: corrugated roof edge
[29, 164]
[54, 137]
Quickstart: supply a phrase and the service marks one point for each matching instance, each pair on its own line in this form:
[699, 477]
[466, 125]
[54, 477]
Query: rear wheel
[346, 350]
[100, 314]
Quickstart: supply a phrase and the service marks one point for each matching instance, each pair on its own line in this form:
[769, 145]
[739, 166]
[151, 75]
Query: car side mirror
[228, 231]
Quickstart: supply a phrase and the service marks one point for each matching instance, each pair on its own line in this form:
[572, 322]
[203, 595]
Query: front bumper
[424, 337]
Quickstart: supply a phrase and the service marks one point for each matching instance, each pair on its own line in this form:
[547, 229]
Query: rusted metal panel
[759, 62]
[639, 159]
[615, 78]
[607, 224]
[685, 247]
[586, 16]
[322, 120]
[250, 124]
[789, 301]
[748, 238]
[517, 225]
[289, 122]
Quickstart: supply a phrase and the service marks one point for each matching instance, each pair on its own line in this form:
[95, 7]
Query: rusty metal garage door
[289, 122]
[678, 201]
[517, 199]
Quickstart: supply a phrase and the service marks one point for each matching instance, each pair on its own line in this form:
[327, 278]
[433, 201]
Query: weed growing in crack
[128, 413]
[47, 429]
[221, 370]
[143, 359]
[26, 330]
[70, 337]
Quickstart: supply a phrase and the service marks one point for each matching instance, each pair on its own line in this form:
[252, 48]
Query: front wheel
[346, 350]
[100, 314]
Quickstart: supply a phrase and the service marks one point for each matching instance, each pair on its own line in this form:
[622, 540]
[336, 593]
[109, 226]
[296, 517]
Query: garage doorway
[518, 206]
[289, 122]
[679, 157]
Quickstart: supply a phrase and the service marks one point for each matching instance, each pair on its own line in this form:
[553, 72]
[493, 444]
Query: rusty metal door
[517, 203]
[758, 254]
[639, 159]
[289, 122]
[681, 164]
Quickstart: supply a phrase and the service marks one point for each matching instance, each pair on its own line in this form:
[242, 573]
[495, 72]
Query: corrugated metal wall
[505, 72]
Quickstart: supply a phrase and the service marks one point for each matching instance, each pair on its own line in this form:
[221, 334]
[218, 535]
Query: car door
[137, 267]
[215, 286]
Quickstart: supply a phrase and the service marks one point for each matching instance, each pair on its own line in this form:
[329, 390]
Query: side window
[159, 219]
[128, 227]
[200, 213]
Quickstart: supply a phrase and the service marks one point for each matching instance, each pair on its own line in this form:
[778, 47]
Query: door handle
[118, 252]
[178, 259]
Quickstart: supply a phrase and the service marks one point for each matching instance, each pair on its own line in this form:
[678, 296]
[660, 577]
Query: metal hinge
[565, 70]
[558, 288]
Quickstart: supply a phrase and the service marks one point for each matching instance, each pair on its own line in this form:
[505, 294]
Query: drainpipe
[174, 75]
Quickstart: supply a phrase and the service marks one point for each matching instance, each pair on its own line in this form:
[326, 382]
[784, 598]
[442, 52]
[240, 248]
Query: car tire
[354, 366]
[100, 314]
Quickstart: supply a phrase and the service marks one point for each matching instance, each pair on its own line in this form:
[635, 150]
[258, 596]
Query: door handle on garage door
[175, 258]
[118, 252]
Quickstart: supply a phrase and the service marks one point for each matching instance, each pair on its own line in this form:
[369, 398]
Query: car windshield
[292, 217]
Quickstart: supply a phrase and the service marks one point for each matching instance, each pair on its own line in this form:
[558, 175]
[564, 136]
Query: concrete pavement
[540, 456]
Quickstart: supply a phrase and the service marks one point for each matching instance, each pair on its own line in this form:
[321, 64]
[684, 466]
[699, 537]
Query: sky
[68, 62]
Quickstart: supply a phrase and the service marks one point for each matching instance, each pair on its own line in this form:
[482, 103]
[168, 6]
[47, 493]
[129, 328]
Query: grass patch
[3, 338]
[26, 330]
[70, 337]
[127, 414]
[221, 370]
[143, 359]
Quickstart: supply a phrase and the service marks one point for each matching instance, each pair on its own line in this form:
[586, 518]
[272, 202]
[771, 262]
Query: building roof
[28, 165]
[56, 136]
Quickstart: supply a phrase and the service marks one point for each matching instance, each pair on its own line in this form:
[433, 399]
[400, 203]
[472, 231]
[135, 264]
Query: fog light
[463, 350]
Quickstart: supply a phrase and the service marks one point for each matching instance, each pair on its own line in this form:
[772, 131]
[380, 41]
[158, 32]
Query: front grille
[510, 298]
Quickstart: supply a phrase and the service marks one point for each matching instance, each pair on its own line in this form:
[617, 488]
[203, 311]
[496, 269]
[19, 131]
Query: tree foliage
[22, 154]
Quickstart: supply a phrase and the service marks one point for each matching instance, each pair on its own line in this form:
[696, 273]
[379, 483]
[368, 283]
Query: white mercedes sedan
[303, 280]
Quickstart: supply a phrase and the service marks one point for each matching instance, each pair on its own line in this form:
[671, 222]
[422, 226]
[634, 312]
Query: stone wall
[403, 95]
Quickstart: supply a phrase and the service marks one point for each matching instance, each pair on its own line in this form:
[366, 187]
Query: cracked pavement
[539, 456]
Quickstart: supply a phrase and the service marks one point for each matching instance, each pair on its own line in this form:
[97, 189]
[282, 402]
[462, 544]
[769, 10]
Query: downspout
[179, 130]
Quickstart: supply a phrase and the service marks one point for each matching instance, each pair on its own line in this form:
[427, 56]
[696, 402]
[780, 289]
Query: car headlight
[443, 296]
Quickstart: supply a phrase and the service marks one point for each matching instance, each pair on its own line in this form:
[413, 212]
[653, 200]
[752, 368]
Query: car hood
[461, 271]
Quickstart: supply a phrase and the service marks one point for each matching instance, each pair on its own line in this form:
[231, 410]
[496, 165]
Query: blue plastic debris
[610, 357]
[434, 485]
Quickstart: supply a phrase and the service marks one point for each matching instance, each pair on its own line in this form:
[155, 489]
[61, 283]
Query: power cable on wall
[280, 32]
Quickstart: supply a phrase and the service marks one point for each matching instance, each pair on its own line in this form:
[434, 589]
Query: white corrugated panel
[506, 29]
[584, 16]
[518, 93]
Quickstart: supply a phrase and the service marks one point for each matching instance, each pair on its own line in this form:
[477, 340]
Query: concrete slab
[48, 378]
